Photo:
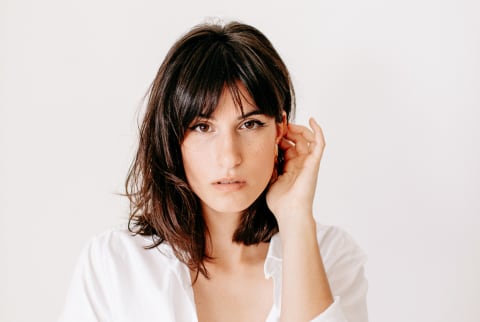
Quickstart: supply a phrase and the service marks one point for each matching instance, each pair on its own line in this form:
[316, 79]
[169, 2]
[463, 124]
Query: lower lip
[229, 186]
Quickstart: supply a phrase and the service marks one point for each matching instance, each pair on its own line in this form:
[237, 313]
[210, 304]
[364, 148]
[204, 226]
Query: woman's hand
[291, 195]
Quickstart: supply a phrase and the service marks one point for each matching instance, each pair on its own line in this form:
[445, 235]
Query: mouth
[228, 181]
[229, 184]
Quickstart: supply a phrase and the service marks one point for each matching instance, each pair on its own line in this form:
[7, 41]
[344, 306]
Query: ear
[281, 128]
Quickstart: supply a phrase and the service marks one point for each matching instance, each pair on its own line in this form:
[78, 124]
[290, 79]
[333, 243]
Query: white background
[395, 85]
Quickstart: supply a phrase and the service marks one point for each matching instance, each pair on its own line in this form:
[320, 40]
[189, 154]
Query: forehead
[236, 101]
[233, 99]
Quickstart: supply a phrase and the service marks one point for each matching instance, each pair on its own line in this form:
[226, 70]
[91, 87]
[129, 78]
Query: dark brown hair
[189, 83]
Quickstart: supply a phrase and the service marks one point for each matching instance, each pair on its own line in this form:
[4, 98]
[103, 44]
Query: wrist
[295, 225]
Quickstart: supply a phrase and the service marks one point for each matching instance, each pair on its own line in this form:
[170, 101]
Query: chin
[228, 206]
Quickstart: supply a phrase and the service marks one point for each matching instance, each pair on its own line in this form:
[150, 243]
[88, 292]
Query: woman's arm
[305, 287]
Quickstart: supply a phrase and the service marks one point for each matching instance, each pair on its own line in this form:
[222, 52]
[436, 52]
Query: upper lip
[228, 180]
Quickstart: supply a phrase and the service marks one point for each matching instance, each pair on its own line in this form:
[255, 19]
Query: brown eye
[201, 127]
[252, 124]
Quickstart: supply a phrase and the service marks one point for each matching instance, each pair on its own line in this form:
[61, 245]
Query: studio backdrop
[395, 86]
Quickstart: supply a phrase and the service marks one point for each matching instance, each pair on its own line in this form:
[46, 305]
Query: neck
[227, 254]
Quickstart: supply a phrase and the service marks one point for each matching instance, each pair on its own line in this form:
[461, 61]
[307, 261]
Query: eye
[201, 127]
[252, 124]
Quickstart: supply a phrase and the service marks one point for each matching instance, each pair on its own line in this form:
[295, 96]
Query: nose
[228, 151]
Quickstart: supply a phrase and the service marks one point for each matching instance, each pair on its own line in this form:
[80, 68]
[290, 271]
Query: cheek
[191, 164]
[263, 155]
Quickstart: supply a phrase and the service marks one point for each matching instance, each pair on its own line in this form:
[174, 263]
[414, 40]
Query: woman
[221, 192]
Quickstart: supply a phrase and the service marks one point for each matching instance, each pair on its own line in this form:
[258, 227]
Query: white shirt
[118, 280]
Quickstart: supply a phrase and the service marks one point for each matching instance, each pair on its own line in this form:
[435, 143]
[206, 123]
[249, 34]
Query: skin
[229, 160]
[306, 291]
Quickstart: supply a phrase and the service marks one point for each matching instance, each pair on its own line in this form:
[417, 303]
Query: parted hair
[197, 69]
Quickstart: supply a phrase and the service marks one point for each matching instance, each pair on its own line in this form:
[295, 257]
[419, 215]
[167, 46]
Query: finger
[304, 131]
[318, 144]
[285, 144]
[288, 148]
[300, 141]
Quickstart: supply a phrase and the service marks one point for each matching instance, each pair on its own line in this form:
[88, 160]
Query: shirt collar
[271, 268]
[273, 262]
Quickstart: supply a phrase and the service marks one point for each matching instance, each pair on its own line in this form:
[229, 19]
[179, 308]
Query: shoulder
[337, 245]
[118, 260]
[116, 272]
[342, 257]
[118, 241]
[119, 249]
[344, 264]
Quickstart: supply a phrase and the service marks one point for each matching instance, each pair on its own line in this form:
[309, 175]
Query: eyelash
[256, 124]
[198, 125]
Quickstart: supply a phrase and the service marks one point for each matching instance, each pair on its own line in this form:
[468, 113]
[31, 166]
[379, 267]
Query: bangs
[215, 65]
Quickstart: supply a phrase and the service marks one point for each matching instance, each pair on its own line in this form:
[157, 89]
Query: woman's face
[229, 157]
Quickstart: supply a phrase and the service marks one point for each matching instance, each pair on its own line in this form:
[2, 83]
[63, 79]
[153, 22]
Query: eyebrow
[254, 112]
[241, 117]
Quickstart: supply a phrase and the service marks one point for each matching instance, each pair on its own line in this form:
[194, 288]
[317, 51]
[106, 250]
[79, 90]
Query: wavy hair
[189, 83]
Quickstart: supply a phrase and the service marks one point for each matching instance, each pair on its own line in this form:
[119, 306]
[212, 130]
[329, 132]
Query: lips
[229, 184]
[228, 181]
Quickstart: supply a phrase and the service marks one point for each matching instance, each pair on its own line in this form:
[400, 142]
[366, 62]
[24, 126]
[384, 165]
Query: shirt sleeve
[344, 264]
[87, 297]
